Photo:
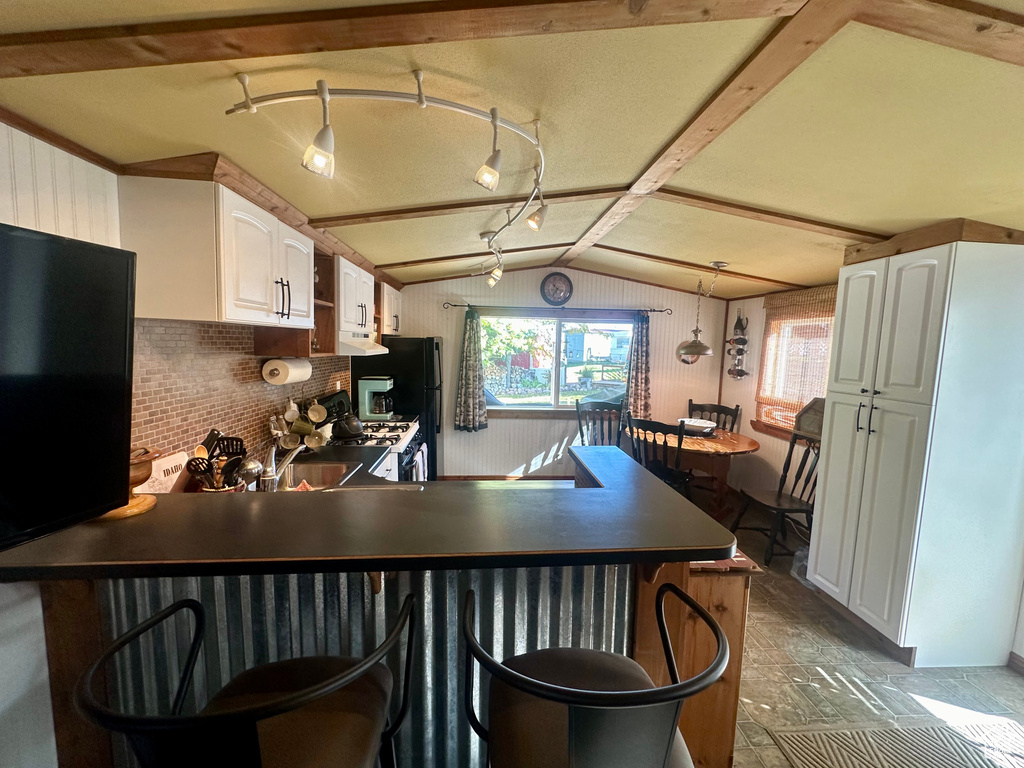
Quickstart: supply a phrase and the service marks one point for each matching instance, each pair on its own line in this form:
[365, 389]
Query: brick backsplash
[190, 377]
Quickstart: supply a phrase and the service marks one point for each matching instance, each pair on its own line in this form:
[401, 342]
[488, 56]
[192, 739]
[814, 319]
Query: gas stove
[394, 434]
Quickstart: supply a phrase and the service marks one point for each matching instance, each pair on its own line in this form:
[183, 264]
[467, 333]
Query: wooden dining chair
[726, 418]
[785, 504]
[600, 422]
[651, 450]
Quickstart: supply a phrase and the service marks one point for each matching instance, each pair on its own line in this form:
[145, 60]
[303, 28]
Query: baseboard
[1016, 663]
[506, 477]
[898, 653]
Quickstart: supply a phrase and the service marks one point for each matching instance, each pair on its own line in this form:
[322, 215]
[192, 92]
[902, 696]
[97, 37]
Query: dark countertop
[633, 518]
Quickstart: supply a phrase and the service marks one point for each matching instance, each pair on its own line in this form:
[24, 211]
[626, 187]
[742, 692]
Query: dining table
[711, 454]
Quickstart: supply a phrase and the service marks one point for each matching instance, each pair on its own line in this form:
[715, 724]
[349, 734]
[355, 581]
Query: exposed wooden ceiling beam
[25, 125]
[210, 166]
[343, 29]
[961, 24]
[477, 255]
[790, 44]
[466, 206]
[693, 266]
[769, 217]
[461, 274]
[941, 233]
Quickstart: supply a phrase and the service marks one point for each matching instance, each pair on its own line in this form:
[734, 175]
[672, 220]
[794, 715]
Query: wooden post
[74, 640]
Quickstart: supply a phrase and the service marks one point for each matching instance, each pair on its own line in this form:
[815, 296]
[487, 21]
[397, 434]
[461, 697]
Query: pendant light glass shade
[536, 219]
[319, 156]
[490, 171]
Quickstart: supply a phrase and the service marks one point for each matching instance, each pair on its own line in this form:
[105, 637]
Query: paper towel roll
[288, 371]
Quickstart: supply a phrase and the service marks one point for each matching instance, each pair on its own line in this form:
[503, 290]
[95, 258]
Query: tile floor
[804, 665]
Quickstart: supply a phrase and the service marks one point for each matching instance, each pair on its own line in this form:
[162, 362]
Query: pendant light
[692, 351]
[490, 171]
[536, 219]
[319, 156]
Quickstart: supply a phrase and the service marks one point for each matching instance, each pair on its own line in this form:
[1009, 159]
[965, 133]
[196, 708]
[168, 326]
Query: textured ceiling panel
[683, 233]
[31, 15]
[881, 132]
[665, 275]
[608, 102]
[463, 267]
[392, 241]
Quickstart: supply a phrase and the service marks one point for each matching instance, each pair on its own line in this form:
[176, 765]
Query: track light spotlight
[489, 173]
[319, 156]
[496, 272]
[536, 219]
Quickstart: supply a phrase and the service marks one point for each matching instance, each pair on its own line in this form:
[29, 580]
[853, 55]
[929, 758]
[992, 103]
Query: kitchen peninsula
[593, 550]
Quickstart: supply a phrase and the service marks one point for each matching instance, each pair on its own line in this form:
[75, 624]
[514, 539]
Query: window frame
[559, 316]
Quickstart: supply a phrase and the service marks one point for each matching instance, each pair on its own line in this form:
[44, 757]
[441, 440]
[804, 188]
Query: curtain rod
[450, 305]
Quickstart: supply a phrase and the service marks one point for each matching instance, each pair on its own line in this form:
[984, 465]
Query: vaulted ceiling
[871, 134]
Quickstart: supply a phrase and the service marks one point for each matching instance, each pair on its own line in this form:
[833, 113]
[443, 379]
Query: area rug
[963, 745]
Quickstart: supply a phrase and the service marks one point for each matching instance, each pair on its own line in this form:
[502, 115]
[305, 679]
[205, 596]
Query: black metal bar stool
[563, 707]
[314, 711]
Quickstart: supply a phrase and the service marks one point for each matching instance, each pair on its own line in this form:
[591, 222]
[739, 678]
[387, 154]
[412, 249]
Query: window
[539, 362]
[795, 353]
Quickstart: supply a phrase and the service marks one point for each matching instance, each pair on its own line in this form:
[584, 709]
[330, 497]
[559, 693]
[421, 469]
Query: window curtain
[795, 352]
[470, 401]
[637, 399]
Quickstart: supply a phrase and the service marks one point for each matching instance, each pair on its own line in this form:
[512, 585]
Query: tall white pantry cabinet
[918, 523]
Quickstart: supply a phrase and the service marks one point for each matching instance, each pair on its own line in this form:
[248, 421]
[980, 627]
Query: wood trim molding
[789, 45]
[344, 29]
[557, 313]
[698, 267]
[770, 429]
[471, 478]
[474, 255]
[544, 414]
[951, 231]
[25, 125]
[463, 276]
[961, 24]
[1016, 663]
[211, 166]
[466, 206]
[768, 217]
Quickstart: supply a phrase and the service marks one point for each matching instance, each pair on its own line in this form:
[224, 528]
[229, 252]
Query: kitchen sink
[320, 475]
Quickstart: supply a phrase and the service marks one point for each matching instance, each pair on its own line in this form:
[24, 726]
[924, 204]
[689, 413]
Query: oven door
[407, 465]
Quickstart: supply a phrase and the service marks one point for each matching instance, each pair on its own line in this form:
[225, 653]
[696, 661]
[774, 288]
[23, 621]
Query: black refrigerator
[415, 365]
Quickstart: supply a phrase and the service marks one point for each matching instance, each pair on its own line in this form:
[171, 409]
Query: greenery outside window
[540, 362]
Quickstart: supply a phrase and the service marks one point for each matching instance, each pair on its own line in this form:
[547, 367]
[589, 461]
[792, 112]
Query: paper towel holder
[279, 371]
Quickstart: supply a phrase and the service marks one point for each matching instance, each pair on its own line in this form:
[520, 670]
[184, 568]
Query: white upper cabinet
[889, 506]
[355, 297]
[206, 253]
[840, 476]
[391, 309]
[913, 324]
[858, 317]
[49, 190]
[252, 285]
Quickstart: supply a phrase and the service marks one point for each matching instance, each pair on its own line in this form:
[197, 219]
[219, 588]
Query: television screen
[66, 326]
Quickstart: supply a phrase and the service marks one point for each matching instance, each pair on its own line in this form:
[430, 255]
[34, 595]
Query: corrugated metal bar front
[252, 620]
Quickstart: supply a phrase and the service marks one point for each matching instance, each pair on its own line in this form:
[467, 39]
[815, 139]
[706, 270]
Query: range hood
[359, 345]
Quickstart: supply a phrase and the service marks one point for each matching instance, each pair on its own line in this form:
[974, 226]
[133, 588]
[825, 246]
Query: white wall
[761, 469]
[43, 188]
[538, 446]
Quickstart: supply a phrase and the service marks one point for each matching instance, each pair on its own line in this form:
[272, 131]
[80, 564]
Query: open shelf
[322, 303]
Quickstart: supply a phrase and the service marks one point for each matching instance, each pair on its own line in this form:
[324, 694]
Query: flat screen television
[66, 328]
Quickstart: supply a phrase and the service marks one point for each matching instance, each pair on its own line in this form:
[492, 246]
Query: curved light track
[250, 104]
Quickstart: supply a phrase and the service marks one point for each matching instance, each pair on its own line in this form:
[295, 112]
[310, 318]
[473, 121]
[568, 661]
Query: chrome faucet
[271, 472]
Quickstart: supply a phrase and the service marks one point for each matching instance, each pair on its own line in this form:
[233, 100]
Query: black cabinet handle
[396, 323]
[871, 414]
[863, 391]
[280, 312]
[859, 407]
[288, 285]
[362, 323]
[876, 392]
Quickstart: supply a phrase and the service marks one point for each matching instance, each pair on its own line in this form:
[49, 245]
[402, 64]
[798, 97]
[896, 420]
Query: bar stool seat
[524, 728]
[341, 728]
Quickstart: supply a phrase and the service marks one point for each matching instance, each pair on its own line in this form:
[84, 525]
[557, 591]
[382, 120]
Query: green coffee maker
[369, 387]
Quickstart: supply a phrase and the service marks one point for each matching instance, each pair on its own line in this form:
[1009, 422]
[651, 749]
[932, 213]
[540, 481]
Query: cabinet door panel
[886, 532]
[912, 324]
[297, 268]
[855, 336]
[350, 315]
[248, 250]
[837, 501]
[366, 299]
[396, 304]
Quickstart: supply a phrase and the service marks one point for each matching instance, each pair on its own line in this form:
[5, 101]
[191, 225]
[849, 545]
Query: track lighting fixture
[490, 171]
[319, 157]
